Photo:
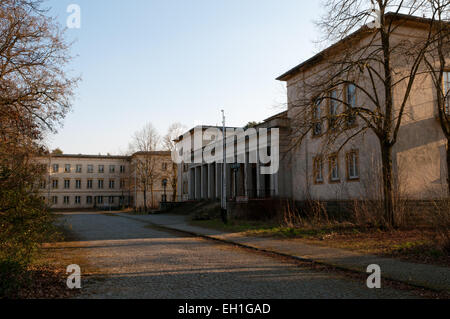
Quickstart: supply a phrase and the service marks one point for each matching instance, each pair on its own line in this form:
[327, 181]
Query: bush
[25, 223]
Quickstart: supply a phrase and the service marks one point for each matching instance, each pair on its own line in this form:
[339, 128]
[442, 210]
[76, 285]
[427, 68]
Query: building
[202, 180]
[354, 172]
[104, 182]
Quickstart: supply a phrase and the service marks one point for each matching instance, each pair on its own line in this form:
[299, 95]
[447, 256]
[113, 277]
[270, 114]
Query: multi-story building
[95, 181]
[349, 167]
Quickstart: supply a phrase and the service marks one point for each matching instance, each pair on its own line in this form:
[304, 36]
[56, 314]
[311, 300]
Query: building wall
[121, 194]
[49, 192]
[419, 154]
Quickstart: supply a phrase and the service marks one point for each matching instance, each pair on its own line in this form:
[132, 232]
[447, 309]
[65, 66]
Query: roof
[120, 157]
[157, 153]
[279, 115]
[360, 32]
[88, 156]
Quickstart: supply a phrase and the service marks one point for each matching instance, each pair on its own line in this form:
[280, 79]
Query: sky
[168, 61]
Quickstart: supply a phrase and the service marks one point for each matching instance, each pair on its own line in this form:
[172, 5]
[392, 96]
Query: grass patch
[408, 245]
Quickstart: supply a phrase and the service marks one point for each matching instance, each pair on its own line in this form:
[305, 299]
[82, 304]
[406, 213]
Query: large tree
[372, 60]
[145, 143]
[35, 95]
[173, 133]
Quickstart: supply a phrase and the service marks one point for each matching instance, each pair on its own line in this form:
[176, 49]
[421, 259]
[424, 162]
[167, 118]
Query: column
[211, 181]
[191, 184]
[198, 183]
[218, 181]
[229, 182]
[260, 183]
[204, 190]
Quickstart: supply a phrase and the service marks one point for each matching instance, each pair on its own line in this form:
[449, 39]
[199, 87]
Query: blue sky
[181, 61]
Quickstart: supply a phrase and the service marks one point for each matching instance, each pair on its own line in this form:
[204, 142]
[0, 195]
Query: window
[164, 182]
[100, 184]
[55, 184]
[101, 169]
[55, 168]
[89, 184]
[43, 184]
[90, 169]
[79, 168]
[334, 168]
[318, 170]
[333, 110]
[122, 183]
[67, 168]
[67, 184]
[112, 168]
[164, 166]
[317, 121]
[89, 200]
[112, 184]
[350, 98]
[78, 184]
[111, 200]
[122, 168]
[353, 165]
[77, 200]
[99, 199]
[55, 200]
[66, 200]
[447, 92]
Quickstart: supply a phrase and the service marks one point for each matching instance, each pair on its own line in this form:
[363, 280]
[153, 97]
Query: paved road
[133, 260]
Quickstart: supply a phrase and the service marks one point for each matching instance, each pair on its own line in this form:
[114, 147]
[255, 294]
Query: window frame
[446, 91]
[318, 159]
[349, 157]
[67, 184]
[331, 157]
[351, 121]
[316, 117]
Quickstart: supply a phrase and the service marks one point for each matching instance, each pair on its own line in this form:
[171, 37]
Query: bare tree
[35, 96]
[436, 60]
[372, 60]
[174, 132]
[145, 143]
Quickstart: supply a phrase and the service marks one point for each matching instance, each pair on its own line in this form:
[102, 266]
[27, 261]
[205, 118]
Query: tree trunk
[448, 165]
[145, 199]
[388, 189]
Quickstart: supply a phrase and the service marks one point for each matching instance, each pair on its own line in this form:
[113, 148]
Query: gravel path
[130, 259]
